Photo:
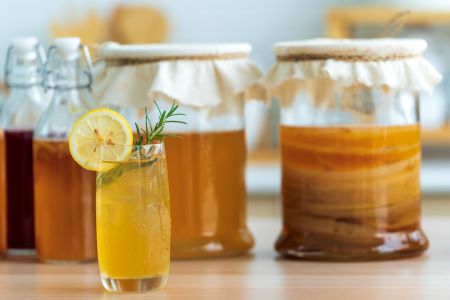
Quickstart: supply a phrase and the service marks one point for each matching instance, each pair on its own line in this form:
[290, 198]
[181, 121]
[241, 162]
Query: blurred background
[260, 23]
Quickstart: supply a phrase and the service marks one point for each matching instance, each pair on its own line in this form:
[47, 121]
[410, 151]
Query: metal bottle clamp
[89, 72]
[40, 54]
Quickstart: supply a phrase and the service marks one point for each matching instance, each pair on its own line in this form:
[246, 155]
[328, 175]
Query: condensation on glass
[206, 158]
[350, 147]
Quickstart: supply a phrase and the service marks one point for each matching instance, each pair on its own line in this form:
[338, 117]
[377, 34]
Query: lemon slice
[99, 135]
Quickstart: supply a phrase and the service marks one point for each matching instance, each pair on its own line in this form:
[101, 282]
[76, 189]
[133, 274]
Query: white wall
[260, 22]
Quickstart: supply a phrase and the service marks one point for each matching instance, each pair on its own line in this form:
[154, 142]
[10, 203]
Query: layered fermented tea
[350, 147]
[64, 191]
[25, 104]
[206, 159]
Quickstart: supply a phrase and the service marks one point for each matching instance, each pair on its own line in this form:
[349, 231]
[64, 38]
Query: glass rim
[134, 152]
[158, 144]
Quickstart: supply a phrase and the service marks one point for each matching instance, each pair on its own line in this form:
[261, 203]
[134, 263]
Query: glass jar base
[395, 246]
[21, 252]
[324, 256]
[134, 285]
[208, 247]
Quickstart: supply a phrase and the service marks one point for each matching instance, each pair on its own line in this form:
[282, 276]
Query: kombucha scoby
[351, 191]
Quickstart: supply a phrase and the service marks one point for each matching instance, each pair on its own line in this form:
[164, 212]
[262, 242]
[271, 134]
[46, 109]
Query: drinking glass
[133, 220]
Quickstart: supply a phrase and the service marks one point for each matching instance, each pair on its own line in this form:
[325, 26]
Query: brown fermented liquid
[351, 192]
[3, 214]
[207, 192]
[20, 194]
[64, 204]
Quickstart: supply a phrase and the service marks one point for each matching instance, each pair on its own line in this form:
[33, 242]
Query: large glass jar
[206, 158]
[25, 103]
[350, 147]
[64, 192]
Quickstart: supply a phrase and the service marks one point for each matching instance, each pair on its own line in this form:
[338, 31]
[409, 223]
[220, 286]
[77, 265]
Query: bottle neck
[23, 107]
[23, 74]
[66, 76]
[67, 90]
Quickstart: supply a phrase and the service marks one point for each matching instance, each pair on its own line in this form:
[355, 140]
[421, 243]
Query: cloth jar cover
[394, 64]
[195, 75]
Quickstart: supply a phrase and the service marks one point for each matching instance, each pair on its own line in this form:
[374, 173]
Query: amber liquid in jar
[64, 205]
[207, 193]
[351, 193]
[3, 213]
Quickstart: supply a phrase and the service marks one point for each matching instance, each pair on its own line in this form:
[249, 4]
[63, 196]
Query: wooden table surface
[259, 275]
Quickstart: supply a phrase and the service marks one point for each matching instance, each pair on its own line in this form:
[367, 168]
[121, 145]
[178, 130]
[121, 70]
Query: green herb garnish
[150, 133]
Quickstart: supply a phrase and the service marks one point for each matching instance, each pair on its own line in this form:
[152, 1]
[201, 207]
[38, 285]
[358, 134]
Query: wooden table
[259, 275]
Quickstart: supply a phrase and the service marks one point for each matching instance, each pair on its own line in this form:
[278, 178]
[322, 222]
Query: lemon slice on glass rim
[100, 134]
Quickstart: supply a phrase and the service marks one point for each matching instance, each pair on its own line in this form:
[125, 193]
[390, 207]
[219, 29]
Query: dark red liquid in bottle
[19, 177]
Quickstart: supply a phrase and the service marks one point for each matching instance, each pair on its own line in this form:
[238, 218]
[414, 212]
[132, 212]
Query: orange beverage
[3, 237]
[207, 192]
[64, 204]
[351, 192]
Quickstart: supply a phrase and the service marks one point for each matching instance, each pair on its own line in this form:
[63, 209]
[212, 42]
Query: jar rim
[350, 49]
[111, 50]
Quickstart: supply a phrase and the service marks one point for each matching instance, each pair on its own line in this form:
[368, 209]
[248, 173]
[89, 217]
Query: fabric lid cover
[195, 75]
[389, 63]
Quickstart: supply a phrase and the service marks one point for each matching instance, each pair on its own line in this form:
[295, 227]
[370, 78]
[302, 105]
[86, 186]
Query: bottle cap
[25, 47]
[68, 47]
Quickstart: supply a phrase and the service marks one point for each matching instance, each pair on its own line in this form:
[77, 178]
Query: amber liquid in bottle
[351, 193]
[3, 213]
[207, 192]
[64, 204]
[19, 177]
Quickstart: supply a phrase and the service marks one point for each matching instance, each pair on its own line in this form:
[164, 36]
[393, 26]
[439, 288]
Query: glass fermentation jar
[350, 147]
[206, 161]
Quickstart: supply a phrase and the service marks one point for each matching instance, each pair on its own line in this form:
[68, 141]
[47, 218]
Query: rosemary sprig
[151, 133]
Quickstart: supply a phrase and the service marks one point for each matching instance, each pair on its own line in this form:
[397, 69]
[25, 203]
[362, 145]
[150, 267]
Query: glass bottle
[64, 192]
[3, 213]
[18, 118]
